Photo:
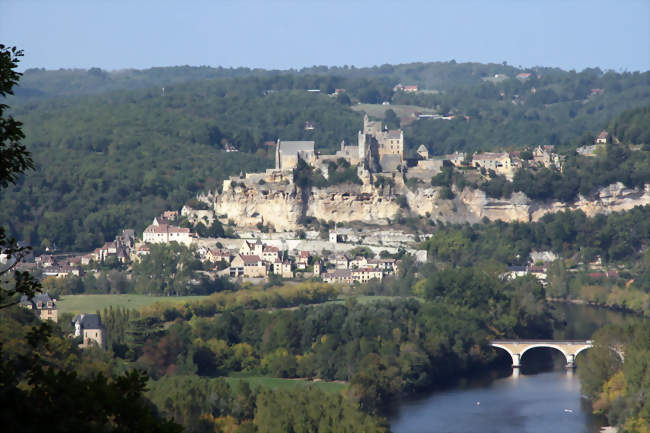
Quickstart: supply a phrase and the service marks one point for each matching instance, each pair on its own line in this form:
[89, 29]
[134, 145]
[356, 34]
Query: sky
[273, 34]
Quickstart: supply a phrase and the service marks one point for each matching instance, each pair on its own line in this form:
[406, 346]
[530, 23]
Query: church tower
[277, 155]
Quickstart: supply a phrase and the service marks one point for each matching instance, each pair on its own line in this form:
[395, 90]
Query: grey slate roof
[389, 162]
[89, 321]
[39, 297]
[338, 273]
[293, 147]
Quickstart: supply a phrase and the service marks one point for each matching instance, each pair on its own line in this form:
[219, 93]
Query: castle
[378, 150]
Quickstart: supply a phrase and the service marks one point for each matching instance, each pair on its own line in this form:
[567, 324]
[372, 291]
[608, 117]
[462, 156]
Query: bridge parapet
[516, 348]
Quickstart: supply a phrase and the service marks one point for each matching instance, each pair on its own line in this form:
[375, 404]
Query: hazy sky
[291, 34]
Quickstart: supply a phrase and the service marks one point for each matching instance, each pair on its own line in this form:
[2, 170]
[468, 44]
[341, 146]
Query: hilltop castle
[378, 150]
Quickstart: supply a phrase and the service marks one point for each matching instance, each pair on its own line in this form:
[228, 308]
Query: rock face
[351, 205]
[613, 198]
[247, 207]
[283, 206]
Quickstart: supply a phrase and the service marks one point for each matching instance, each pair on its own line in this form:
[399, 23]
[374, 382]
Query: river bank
[533, 401]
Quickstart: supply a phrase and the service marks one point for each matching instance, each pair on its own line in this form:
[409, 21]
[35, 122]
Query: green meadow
[92, 303]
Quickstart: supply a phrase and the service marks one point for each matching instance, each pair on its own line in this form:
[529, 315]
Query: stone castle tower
[387, 142]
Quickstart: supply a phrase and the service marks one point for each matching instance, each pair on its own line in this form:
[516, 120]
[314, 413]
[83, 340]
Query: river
[542, 398]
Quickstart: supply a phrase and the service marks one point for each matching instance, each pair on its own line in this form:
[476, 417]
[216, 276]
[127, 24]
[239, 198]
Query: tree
[14, 160]
[391, 120]
[38, 395]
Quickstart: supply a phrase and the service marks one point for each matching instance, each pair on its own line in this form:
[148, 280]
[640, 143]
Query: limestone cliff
[282, 206]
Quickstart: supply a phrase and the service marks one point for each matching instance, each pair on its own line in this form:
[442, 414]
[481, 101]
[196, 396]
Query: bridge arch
[518, 348]
[567, 358]
[516, 357]
[569, 348]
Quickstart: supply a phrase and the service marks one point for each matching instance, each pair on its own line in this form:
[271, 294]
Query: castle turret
[362, 146]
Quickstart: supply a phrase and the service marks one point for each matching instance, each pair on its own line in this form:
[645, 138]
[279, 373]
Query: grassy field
[403, 111]
[278, 383]
[92, 303]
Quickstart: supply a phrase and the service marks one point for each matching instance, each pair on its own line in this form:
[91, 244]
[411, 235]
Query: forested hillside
[113, 150]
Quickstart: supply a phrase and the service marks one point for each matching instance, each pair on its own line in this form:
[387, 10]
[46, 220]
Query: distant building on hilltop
[288, 152]
[602, 138]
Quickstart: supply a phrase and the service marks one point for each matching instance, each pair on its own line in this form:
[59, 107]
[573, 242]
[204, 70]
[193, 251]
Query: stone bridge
[516, 348]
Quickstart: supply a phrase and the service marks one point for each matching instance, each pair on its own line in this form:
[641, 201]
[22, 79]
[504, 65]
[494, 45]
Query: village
[345, 256]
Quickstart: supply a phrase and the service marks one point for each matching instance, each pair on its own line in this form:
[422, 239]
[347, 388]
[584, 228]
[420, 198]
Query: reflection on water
[523, 403]
[536, 399]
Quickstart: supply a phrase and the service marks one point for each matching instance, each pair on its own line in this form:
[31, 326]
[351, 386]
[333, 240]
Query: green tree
[14, 160]
[391, 120]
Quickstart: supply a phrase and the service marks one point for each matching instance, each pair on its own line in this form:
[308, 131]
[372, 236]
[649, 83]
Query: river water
[542, 398]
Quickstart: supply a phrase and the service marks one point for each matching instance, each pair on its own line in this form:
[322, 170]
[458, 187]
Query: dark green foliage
[171, 270]
[619, 389]
[14, 160]
[632, 126]
[391, 120]
[117, 323]
[311, 410]
[583, 175]
[361, 252]
[618, 236]
[114, 161]
[340, 172]
[558, 113]
[44, 376]
[498, 186]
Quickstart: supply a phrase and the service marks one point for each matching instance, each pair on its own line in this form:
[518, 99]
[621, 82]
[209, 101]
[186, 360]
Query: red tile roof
[251, 260]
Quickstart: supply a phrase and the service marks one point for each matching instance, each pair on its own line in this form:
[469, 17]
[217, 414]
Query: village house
[170, 215]
[350, 276]
[276, 266]
[61, 271]
[90, 328]
[286, 271]
[364, 275]
[457, 159]
[423, 152]
[139, 251]
[163, 233]
[250, 266]
[45, 261]
[42, 305]
[252, 248]
[337, 276]
[539, 272]
[544, 155]
[358, 262]
[602, 138]
[341, 262]
[386, 265]
[492, 160]
[318, 267]
[270, 254]
[302, 261]
[217, 255]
